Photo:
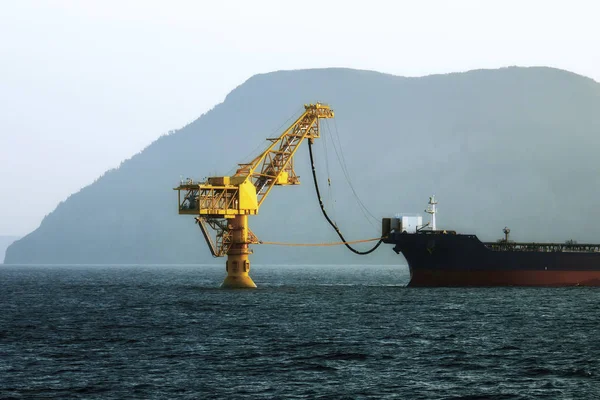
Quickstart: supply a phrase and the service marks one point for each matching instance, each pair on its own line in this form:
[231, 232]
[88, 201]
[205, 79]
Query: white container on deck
[406, 223]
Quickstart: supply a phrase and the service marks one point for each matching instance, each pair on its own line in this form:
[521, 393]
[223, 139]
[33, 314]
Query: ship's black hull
[438, 259]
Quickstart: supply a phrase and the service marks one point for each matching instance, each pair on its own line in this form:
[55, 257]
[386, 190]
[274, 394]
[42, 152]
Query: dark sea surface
[307, 332]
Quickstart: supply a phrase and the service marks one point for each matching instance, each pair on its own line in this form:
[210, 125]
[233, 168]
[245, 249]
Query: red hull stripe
[435, 277]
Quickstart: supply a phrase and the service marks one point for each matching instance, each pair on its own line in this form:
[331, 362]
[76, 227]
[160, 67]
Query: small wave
[91, 389]
[337, 357]
[307, 345]
[538, 371]
[508, 347]
[317, 367]
[142, 386]
[579, 372]
[485, 397]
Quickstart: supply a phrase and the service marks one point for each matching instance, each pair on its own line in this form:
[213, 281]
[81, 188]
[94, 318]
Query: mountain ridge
[5, 241]
[393, 130]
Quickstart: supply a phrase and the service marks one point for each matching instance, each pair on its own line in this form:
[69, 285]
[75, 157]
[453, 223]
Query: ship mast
[431, 209]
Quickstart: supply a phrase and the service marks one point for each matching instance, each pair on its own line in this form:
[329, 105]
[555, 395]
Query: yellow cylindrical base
[238, 267]
[238, 282]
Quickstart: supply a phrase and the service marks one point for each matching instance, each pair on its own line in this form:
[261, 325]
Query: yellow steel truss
[221, 198]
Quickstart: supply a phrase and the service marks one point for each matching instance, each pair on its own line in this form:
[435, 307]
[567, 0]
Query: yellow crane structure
[223, 203]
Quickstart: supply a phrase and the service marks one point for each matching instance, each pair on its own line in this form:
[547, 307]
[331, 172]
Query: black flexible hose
[312, 163]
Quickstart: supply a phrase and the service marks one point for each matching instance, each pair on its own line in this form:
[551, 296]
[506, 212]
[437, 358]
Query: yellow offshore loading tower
[223, 203]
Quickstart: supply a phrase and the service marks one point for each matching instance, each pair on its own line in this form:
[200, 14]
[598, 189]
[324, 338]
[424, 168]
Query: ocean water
[307, 332]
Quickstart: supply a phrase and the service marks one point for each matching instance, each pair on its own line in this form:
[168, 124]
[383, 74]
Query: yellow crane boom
[222, 203]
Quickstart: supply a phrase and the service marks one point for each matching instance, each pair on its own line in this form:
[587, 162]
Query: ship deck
[543, 247]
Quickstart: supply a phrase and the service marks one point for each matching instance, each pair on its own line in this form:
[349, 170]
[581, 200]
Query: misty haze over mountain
[5, 241]
[510, 147]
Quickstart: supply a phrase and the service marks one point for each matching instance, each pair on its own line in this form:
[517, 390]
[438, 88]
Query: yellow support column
[238, 264]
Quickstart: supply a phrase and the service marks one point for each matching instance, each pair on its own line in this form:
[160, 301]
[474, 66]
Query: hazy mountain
[511, 147]
[5, 241]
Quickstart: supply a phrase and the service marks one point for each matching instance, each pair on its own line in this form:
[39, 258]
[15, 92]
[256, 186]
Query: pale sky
[86, 84]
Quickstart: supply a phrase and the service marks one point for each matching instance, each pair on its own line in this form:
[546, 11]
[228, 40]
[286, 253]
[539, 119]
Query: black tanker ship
[445, 258]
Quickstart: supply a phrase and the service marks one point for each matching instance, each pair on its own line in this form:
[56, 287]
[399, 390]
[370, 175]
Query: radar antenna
[506, 231]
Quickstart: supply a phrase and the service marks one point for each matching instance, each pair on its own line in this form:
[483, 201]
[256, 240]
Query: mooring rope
[319, 244]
